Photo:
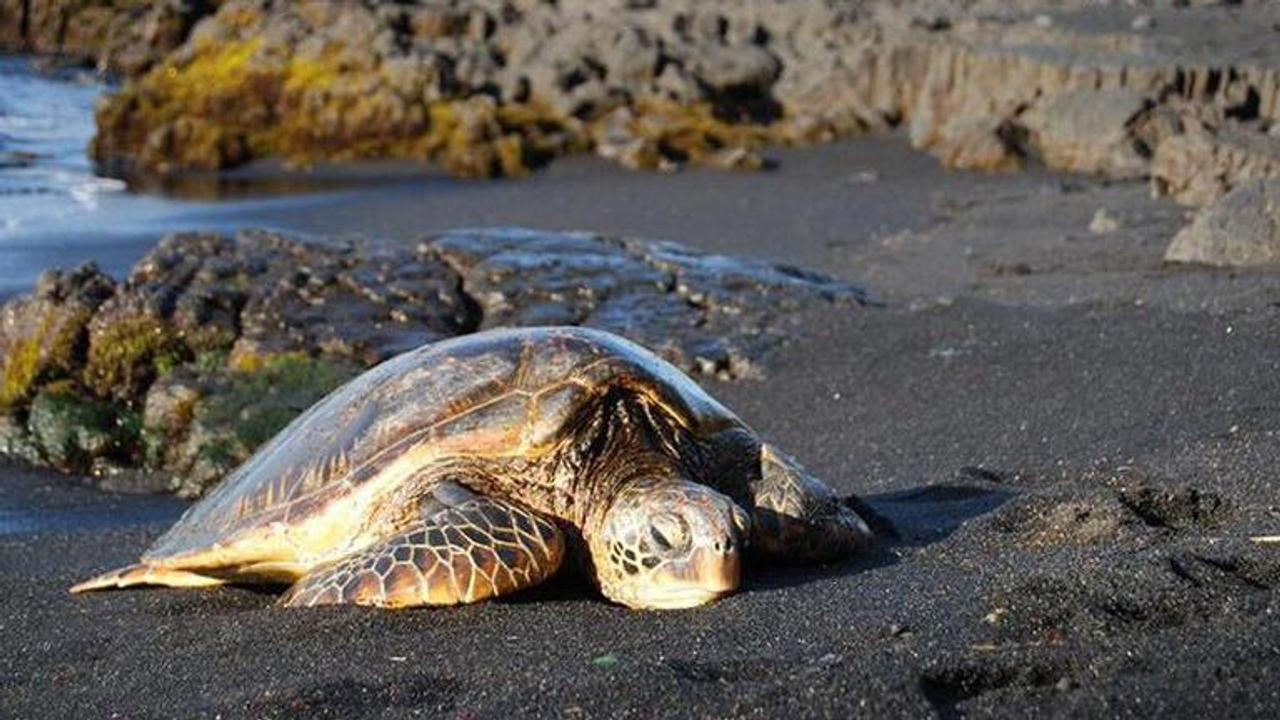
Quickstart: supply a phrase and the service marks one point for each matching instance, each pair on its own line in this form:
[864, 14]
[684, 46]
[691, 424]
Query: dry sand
[1074, 444]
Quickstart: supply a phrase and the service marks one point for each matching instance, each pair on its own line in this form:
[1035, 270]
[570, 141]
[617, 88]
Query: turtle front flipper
[479, 548]
[797, 517]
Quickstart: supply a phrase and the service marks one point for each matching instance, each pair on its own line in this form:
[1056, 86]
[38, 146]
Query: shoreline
[861, 188]
[1184, 95]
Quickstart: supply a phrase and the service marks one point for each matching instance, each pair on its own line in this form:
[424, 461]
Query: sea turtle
[470, 468]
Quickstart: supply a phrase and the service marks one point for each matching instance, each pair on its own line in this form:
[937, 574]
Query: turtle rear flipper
[480, 548]
[143, 574]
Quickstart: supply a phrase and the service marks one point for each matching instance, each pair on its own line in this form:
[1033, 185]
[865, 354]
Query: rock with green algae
[477, 87]
[127, 351]
[16, 442]
[214, 343]
[77, 433]
[225, 102]
[487, 87]
[200, 424]
[43, 337]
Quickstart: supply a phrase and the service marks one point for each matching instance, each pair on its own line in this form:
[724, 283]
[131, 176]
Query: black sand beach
[1074, 443]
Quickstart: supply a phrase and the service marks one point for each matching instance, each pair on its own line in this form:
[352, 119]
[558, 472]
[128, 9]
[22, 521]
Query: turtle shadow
[912, 518]
[570, 585]
[925, 515]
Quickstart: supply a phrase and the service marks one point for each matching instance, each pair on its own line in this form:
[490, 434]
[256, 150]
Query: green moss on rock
[127, 353]
[48, 350]
[15, 441]
[72, 431]
[230, 103]
[167, 414]
[237, 411]
[258, 404]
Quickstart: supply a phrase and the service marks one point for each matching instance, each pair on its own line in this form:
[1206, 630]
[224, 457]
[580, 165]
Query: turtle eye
[669, 532]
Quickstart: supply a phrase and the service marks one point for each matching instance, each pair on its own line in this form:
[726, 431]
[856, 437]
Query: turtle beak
[719, 572]
[708, 575]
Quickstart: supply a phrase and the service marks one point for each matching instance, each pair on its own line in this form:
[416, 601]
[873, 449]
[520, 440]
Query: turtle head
[669, 544]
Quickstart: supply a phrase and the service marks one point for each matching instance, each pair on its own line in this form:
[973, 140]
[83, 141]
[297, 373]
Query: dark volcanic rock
[705, 313]
[214, 343]
[1189, 96]
[200, 423]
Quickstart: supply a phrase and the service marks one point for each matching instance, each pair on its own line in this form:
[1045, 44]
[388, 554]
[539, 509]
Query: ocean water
[46, 122]
[56, 211]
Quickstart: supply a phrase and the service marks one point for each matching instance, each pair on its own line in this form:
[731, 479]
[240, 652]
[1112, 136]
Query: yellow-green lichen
[233, 102]
[195, 114]
[21, 367]
[692, 133]
[228, 103]
[125, 355]
[47, 353]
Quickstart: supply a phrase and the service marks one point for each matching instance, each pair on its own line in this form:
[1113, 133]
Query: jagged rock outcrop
[43, 335]
[483, 88]
[1090, 131]
[214, 343]
[1185, 93]
[1200, 165]
[1081, 99]
[117, 35]
[496, 87]
[489, 87]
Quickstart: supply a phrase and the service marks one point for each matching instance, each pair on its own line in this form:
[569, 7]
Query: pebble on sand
[1104, 222]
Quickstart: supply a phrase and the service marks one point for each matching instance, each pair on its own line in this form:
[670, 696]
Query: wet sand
[815, 202]
[1074, 443]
